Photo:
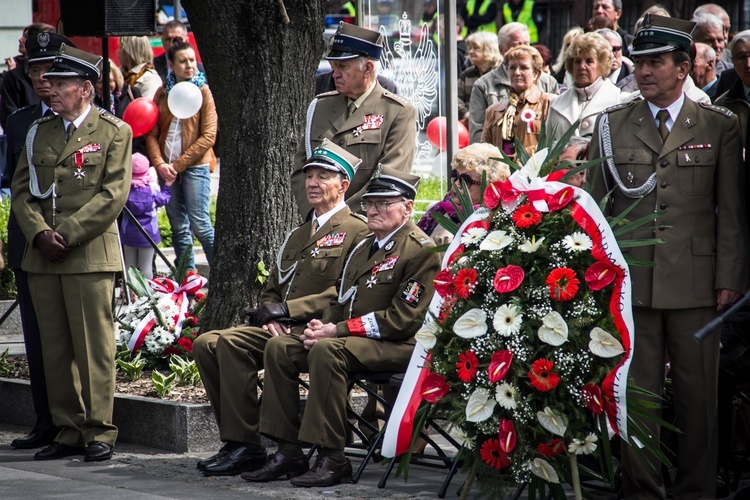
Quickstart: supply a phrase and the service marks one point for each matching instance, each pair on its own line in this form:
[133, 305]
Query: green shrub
[7, 279]
[431, 189]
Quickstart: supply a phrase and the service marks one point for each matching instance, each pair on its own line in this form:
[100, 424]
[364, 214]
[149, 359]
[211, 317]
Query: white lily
[496, 240]
[584, 446]
[426, 336]
[473, 323]
[541, 468]
[480, 406]
[552, 421]
[532, 245]
[554, 329]
[604, 344]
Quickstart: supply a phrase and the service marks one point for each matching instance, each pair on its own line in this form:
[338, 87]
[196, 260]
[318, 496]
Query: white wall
[15, 15]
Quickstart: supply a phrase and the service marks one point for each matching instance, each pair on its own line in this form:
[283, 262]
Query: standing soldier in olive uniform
[67, 192]
[686, 159]
[384, 293]
[308, 267]
[375, 125]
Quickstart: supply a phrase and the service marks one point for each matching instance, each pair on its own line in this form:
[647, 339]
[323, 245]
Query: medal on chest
[386, 265]
[79, 173]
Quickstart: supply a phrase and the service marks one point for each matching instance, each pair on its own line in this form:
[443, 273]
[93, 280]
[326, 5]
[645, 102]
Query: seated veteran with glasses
[385, 289]
[308, 265]
[468, 165]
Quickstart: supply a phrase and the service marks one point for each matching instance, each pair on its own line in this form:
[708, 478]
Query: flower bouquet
[527, 350]
[164, 318]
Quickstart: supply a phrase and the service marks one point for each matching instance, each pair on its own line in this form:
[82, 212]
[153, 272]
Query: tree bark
[260, 69]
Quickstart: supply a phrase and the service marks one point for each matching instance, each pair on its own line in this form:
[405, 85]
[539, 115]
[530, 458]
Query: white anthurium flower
[585, 446]
[552, 421]
[496, 240]
[541, 468]
[554, 329]
[532, 245]
[473, 235]
[532, 167]
[604, 344]
[505, 395]
[480, 406]
[426, 336]
[577, 242]
[473, 323]
[507, 320]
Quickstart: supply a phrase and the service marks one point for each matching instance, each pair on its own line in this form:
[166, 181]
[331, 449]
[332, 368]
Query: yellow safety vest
[491, 26]
[524, 17]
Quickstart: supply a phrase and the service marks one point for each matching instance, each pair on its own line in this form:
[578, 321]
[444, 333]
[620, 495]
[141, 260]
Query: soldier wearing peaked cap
[359, 116]
[384, 292]
[41, 50]
[70, 184]
[308, 266]
[684, 159]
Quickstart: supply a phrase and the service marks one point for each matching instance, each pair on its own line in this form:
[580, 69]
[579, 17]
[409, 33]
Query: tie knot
[662, 115]
[351, 109]
[49, 112]
[70, 130]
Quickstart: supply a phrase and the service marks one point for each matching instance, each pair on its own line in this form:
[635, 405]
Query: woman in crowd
[468, 165]
[589, 60]
[484, 57]
[181, 152]
[558, 68]
[136, 58]
[520, 115]
[121, 94]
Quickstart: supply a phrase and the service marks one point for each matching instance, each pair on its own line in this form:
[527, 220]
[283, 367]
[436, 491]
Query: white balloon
[185, 100]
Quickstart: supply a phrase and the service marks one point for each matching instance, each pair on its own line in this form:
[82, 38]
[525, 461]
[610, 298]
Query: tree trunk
[260, 66]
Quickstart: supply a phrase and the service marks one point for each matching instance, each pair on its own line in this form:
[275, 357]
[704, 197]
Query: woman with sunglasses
[468, 166]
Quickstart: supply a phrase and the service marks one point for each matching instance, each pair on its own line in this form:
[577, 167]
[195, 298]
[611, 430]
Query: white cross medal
[79, 173]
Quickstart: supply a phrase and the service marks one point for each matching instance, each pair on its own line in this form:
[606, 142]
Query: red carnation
[600, 274]
[526, 216]
[434, 387]
[552, 448]
[170, 350]
[542, 377]
[199, 296]
[592, 396]
[560, 199]
[507, 436]
[499, 365]
[562, 283]
[186, 344]
[465, 282]
[467, 366]
[493, 455]
[508, 278]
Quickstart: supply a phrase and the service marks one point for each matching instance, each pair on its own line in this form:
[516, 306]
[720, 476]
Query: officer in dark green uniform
[384, 293]
[308, 267]
[67, 192]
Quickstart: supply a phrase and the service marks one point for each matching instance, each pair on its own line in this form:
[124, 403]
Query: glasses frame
[465, 177]
[380, 206]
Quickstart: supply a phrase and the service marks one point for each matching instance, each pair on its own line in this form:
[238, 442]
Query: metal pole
[451, 79]
[106, 98]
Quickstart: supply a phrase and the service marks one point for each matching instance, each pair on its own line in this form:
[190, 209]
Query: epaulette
[328, 94]
[44, 119]
[618, 107]
[717, 109]
[23, 108]
[360, 217]
[421, 238]
[109, 117]
[401, 100]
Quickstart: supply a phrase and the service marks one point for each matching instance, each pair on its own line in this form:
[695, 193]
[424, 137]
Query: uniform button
[697, 159]
[297, 273]
[58, 210]
[632, 157]
[341, 142]
[294, 289]
[664, 184]
[663, 206]
[42, 161]
[59, 179]
[585, 124]
[363, 139]
[662, 228]
[664, 163]
[86, 160]
[58, 195]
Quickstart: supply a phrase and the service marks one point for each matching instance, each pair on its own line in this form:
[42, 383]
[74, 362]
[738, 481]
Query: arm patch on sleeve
[412, 292]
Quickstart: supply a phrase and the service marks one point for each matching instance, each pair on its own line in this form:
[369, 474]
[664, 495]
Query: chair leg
[387, 473]
[446, 483]
[370, 455]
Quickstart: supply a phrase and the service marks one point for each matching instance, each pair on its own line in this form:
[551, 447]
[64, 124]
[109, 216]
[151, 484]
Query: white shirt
[322, 219]
[673, 110]
[384, 241]
[77, 122]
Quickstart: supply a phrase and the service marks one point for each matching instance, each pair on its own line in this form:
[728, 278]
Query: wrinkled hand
[275, 328]
[726, 298]
[268, 312]
[167, 172]
[317, 330]
[52, 245]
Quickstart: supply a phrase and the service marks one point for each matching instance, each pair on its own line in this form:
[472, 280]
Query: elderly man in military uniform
[308, 266]
[68, 189]
[684, 159]
[41, 50]
[360, 116]
[384, 293]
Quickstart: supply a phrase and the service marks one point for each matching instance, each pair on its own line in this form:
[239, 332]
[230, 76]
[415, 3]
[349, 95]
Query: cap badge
[42, 39]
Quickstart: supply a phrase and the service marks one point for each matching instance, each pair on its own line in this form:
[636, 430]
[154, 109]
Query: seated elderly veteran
[383, 296]
[308, 265]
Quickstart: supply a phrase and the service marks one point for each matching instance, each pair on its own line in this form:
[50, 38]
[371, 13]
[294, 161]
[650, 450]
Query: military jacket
[699, 178]
[88, 198]
[381, 131]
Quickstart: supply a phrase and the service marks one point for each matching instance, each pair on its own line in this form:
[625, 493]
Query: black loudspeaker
[102, 18]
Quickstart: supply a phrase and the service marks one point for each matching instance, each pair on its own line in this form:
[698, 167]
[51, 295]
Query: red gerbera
[562, 283]
[542, 377]
[560, 199]
[443, 283]
[592, 396]
[465, 282]
[600, 274]
[507, 436]
[434, 387]
[493, 455]
[552, 448]
[526, 216]
[499, 365]
[508, 278]
[467, 366]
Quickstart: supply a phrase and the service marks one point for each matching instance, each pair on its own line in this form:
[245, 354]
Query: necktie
[313, 228]
[49, 112]
[70, 130]
[351, 109]
[663, 116]
[374, 248]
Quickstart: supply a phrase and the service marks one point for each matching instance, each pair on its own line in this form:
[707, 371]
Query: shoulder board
[401, 100]
[618, 107]
[23, 108]
[421, 238]
[44, 119]
[109, 117]
[360, 217]
[328, 94]
[717, 109]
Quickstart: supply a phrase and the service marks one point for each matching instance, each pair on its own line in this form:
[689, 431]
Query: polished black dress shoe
[213, 459]
[34, 439]
[278, 466]
[96, 451]
[722, 482]
[242, 458]
[57, 450]
[325, 472]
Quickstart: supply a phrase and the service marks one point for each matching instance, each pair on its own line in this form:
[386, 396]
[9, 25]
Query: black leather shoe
[325, 472]
[96, 451]
[57, 450]
[240, 459]
[213, 459]
[278, 466]
[34, 439]
[722, 482]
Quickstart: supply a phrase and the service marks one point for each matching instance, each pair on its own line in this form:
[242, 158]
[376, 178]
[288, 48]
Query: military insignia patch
[332, 240]
[90, 148]
[389, 246]
[412, 292]
[386, 265]
[372, 122]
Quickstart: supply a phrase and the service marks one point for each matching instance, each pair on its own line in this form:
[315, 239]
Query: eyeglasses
[466, 178]
[380, 206]
[616, 49]
[39, 70]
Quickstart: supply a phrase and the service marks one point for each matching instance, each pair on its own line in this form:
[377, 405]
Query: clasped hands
[272, 317]
[52, 245]
[317, 330]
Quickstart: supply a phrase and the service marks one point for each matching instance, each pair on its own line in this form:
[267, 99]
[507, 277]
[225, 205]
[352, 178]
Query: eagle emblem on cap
[378, 171]
[42, 39]
[647, 21]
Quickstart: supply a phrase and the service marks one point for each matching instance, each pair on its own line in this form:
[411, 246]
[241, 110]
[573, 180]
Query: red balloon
[141, 115]
[463, 135]
[437, 135]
